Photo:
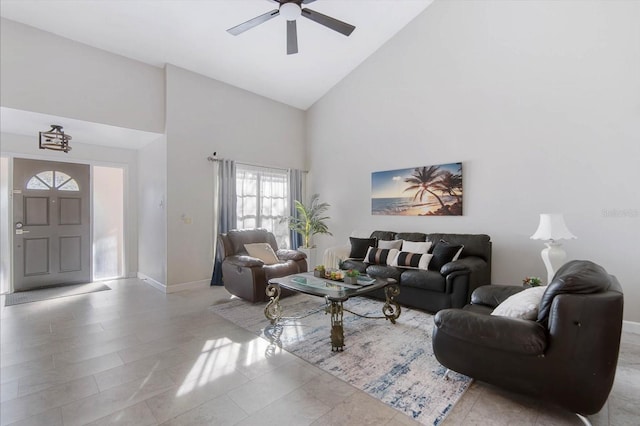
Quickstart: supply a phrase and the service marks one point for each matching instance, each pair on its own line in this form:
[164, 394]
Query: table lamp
[552, 228]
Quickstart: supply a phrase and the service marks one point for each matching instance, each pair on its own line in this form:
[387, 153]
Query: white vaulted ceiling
[192, 34]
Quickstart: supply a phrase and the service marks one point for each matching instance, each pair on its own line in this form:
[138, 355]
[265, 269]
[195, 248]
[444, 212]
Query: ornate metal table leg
[337, 332]
[391, 308]
[273, 310]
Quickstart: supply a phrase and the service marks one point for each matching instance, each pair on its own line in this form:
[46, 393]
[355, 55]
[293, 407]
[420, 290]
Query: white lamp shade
[552, 227]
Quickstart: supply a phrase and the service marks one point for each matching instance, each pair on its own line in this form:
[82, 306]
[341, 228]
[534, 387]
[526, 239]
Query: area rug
[393, 363]
[39, 295]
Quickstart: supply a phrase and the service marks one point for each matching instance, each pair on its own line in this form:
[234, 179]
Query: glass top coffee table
[334, 293]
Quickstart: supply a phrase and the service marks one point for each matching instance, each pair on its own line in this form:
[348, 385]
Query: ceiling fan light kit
[291, 10]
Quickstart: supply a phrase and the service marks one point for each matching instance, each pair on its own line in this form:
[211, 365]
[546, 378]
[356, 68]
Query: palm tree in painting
[423, 180]
[449, 184]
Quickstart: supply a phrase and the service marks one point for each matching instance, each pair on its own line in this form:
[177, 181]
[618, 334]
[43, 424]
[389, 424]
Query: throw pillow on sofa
[262, 251]
[523, 305]
[390, 244]
[359, 247]
[378, 256]
[443, 253]
[416, 247]
[406, 259]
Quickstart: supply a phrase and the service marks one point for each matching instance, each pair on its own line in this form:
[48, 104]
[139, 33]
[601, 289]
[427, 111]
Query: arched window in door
[53, 179]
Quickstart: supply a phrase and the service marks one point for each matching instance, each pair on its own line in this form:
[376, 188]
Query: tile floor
[135, 356]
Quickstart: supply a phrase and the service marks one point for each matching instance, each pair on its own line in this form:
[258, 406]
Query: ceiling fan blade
[303, 1]
[239, 29]
[328, 21]
[292, 37]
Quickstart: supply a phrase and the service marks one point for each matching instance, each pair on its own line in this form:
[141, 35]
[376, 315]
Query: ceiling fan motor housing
[290, 10]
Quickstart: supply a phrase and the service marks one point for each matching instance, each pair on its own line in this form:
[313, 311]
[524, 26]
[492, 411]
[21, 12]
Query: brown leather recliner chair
[567, 357]
[247, 277]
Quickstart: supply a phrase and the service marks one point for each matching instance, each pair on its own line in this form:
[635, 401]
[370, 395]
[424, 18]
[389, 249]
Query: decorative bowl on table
[333, 274]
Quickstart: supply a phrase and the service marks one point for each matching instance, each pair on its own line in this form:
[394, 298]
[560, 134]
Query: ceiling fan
[291, 10]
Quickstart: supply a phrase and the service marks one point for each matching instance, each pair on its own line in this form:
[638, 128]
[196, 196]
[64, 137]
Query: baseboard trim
[153, 283]
[631, 327]
[174, 288]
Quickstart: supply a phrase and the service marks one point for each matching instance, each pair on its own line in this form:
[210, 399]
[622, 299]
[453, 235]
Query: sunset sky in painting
[391, 183]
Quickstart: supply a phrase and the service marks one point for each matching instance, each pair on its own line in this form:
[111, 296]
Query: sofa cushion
[479, 309]
[405, 259]
[427, 280]
[577, 277]
[378, 256]
[390, 244]
[504, 334]
[359, 247]
[285, 254]
[474, 244]
[411, 236]
[522, 305]
[493, 295]
[443, 253]
[282, 269]
[358, 265]
[383, 271]
[243, 261]
[239, 237]
[384, 235]
[262, 251]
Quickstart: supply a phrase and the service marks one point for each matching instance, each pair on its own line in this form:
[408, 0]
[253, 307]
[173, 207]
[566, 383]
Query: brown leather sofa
[247, 277]
[567, 357]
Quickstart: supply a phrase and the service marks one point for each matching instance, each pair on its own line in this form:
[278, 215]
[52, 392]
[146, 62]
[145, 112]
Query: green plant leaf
[310, 220]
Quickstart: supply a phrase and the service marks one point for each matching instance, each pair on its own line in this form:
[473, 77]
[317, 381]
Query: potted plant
[351, 276]
[309, 221]
[531, 282]
[318, 271]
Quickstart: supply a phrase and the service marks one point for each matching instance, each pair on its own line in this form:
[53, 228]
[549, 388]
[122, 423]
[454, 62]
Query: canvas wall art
[418, 191]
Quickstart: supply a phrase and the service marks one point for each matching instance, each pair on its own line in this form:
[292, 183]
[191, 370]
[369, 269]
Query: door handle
[19, 230]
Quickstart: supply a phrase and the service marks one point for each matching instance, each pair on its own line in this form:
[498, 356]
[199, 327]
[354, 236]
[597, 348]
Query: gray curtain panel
[225, 209]
[295, 193]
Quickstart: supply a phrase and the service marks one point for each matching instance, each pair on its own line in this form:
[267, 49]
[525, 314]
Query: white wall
[5, 221]
[27, 147]
[45, 73]
[152, 221]
[539, 100]
[203, 116]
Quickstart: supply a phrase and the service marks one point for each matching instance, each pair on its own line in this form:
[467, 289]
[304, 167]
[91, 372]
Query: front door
[51, 224]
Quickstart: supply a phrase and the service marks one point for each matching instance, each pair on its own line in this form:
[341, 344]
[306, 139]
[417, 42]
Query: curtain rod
[213, 158]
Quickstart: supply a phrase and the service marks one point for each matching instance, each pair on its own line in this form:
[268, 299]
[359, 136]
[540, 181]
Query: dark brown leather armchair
[567, 357]
[245, 276]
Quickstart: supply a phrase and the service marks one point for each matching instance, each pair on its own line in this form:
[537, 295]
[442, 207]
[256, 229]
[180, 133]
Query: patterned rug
[20, 297]
[393, 363]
